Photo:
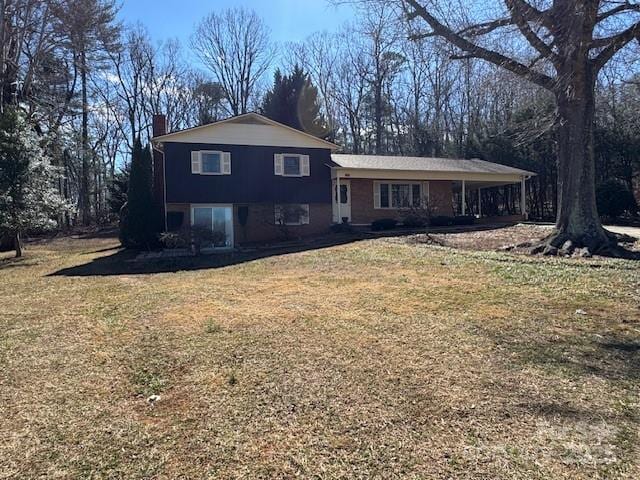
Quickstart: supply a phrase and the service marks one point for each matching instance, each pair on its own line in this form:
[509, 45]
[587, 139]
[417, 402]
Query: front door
[217, 218]
[342, 201]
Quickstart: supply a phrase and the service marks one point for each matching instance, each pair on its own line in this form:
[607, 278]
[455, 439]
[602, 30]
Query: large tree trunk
[85, 206]
[577, 218]
[17, 244]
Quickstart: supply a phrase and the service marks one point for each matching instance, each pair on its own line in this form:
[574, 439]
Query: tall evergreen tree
[117, 189]
[293, 100]
[28, 198]
[139, 225]
[90, 29]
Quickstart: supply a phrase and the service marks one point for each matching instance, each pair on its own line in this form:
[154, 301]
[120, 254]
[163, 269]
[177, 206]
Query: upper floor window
[208, 162]
[211, 162]
[291, 165]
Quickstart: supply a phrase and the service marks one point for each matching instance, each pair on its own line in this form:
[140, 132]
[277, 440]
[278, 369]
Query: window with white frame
[209, 162]
[291, 165]
[398, 195]
[292, 214]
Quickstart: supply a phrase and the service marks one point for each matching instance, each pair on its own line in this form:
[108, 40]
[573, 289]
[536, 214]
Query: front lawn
[374, 359]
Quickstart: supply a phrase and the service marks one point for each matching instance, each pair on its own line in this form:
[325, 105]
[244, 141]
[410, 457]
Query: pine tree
[28, 197]
[118, 187]
[90, 30]
[139, 226]
[293, 101]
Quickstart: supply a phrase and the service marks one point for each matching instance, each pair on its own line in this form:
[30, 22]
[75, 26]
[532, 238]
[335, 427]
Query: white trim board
[247, 129]
[423, 175]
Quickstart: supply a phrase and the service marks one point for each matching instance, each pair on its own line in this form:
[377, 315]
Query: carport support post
[337, 196]
[464, 195]
[479, 202]
[523, 198]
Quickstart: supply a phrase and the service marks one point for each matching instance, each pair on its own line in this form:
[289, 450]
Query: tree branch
[484, 28]
[617, 43]
[472, 30]
[625, 7]
[519, 14]
[532, 14]
[477, 51]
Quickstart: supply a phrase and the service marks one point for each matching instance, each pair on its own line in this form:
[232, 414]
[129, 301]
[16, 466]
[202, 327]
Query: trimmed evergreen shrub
[341, 228]
[464, 220]
[139, 219]
[383, 224]
[441, 221]
[414, 221]
[444, 221]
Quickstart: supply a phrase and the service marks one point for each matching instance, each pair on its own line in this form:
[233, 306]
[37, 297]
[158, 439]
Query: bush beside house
[140, 223]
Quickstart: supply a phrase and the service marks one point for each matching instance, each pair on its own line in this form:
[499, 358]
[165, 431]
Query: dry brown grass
[376, 359]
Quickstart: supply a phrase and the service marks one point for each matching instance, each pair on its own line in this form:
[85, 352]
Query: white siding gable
[251, 129]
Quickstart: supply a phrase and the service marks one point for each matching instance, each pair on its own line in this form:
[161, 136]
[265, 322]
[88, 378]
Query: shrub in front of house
[195, 237]
[464, 220]
[445, 221]
[441, 221]
[414, 221]
[383, 224]
[341, 228]
[174, 240]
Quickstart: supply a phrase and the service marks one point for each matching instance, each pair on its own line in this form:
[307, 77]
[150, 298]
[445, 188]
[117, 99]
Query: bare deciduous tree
[562, 46]
[235, 46]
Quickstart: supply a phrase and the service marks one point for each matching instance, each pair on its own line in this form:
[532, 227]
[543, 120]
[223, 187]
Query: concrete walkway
[631, 231]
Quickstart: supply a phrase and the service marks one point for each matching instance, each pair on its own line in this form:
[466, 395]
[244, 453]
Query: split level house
[251, 177]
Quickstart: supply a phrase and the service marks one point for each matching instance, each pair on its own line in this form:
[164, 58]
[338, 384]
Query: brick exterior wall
[362, 207]
[261, 228]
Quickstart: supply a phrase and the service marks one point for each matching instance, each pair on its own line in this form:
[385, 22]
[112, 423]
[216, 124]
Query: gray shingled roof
[427, 164]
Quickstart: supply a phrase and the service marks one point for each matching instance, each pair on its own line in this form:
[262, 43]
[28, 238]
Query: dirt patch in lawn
[517, 238]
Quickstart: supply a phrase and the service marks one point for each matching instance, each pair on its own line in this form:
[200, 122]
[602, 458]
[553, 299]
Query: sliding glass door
[217, 218]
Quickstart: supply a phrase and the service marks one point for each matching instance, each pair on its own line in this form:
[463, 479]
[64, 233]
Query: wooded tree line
[88, 85]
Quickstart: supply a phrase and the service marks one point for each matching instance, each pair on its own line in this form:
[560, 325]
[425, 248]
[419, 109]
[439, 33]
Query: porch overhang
[479, 179]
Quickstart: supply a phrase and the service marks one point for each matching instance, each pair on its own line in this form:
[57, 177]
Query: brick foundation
[260, 226]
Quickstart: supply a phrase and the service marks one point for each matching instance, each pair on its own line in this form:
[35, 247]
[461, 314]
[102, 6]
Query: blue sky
[289, 20]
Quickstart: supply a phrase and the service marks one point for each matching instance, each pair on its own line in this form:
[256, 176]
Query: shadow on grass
[124, 262]
[611, 358]
[13, 262]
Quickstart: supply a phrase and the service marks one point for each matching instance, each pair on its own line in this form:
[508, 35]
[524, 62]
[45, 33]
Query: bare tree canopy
[561, 46]
[235, 46]
[515, 82]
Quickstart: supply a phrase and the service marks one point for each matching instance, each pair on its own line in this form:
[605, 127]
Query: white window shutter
[304, 220]
[304, 165]
[425, 193]
[278, 164]
[277, 212]
[226, 163]
[376, 195]
[196, 164]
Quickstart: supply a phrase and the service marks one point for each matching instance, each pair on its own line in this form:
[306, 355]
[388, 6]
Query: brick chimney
[159, 125]
[159, 128]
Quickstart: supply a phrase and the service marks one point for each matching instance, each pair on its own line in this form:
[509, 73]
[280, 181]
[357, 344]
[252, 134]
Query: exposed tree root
[562, 244]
